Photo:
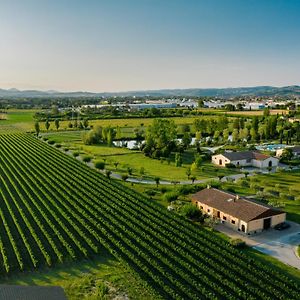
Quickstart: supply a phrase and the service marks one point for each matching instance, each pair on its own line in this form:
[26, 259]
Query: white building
[245, 159]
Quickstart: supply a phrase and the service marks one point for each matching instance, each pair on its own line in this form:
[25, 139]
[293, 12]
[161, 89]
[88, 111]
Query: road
[279, 244]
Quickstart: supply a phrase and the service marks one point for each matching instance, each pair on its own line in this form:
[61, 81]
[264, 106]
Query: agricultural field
[252, 113]
[55, 209]
[18, 120]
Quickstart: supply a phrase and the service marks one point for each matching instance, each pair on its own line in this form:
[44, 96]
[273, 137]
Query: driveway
[279, 244]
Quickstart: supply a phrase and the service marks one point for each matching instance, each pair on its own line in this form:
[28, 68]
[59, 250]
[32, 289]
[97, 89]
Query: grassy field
[129, 123]
[256, 112]
[286, 183]
[102, 277]
[152, 167]
[18, 120]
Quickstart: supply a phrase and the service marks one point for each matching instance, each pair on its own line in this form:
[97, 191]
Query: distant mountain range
[213, 92]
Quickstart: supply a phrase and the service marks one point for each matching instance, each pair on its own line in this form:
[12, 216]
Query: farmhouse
[245, 159]
[239, 213]
[295, 151]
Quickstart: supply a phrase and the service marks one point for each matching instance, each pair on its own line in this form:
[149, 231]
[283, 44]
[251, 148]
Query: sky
[123, 45]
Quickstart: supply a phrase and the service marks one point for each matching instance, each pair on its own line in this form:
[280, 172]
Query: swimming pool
[271, 147]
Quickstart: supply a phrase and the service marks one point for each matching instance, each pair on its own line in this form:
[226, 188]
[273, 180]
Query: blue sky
[118, 45]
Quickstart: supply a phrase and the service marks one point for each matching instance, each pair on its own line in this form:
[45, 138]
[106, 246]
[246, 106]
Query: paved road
[279, 244]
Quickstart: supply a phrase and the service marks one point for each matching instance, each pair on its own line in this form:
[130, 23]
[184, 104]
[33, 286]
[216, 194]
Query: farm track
[54, 208]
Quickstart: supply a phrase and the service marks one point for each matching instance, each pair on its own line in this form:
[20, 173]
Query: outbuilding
[245, 159]
[239, 213]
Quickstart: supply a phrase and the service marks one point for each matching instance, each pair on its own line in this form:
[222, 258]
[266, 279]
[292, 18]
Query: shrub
[100, 165]
[150, 192]
[58, 145]
[230, 166]
[51, 142]
[243, 182]
[163, 189]
[238, 243]
[230, 189]
[76, 153]
[190, 211]
[186, 189]
[86, 159]
[171, 196]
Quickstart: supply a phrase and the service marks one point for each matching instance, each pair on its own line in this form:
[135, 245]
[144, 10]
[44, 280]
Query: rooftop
[229, 203]
[245, 155]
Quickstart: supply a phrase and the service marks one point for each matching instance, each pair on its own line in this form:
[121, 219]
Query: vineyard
[54, 209]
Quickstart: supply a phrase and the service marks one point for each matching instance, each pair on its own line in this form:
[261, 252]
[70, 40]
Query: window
[232, 221]
[224, 218]
[201, 207]
[208, 210]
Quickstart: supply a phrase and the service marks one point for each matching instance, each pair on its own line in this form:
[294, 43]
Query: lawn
[136, 159]
[18, 120]
[256, 112]
[129, 123]
[64, 136]
[152, 167]
[100, 278]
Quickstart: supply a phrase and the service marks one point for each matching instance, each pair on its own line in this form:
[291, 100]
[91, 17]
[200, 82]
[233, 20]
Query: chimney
[237, 197]
[208, 186]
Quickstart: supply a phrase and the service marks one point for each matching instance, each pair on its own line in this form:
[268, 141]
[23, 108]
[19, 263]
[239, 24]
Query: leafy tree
[47, 124]
[116, 163]
[186, 139]
[287, 154]
[108, 173]
[129, 170]
[142, 171]
[93, 136]
[124, 177]
[86, 123]
[56, 123]
[225, 134]
[198, 136]
[178, 159]
[160, 138]
[235, 135]
[157, 180]
[188, 172]
[37, 128]
[190, 211]
[193, 178]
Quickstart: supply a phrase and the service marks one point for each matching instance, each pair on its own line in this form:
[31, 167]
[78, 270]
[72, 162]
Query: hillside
[193, 92]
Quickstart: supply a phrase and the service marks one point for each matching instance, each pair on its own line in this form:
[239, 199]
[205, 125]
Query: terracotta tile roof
[245, 155]
[241, 208]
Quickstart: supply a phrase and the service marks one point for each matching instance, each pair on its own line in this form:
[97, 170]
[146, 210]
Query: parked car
[282, 226]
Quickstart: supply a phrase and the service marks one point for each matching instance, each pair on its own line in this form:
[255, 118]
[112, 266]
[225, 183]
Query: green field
[136, 159]
[55, 209]
[102, 277]
[18, 120]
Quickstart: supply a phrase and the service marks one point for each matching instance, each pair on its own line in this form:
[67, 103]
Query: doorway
[243, 228]
[267, 223]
